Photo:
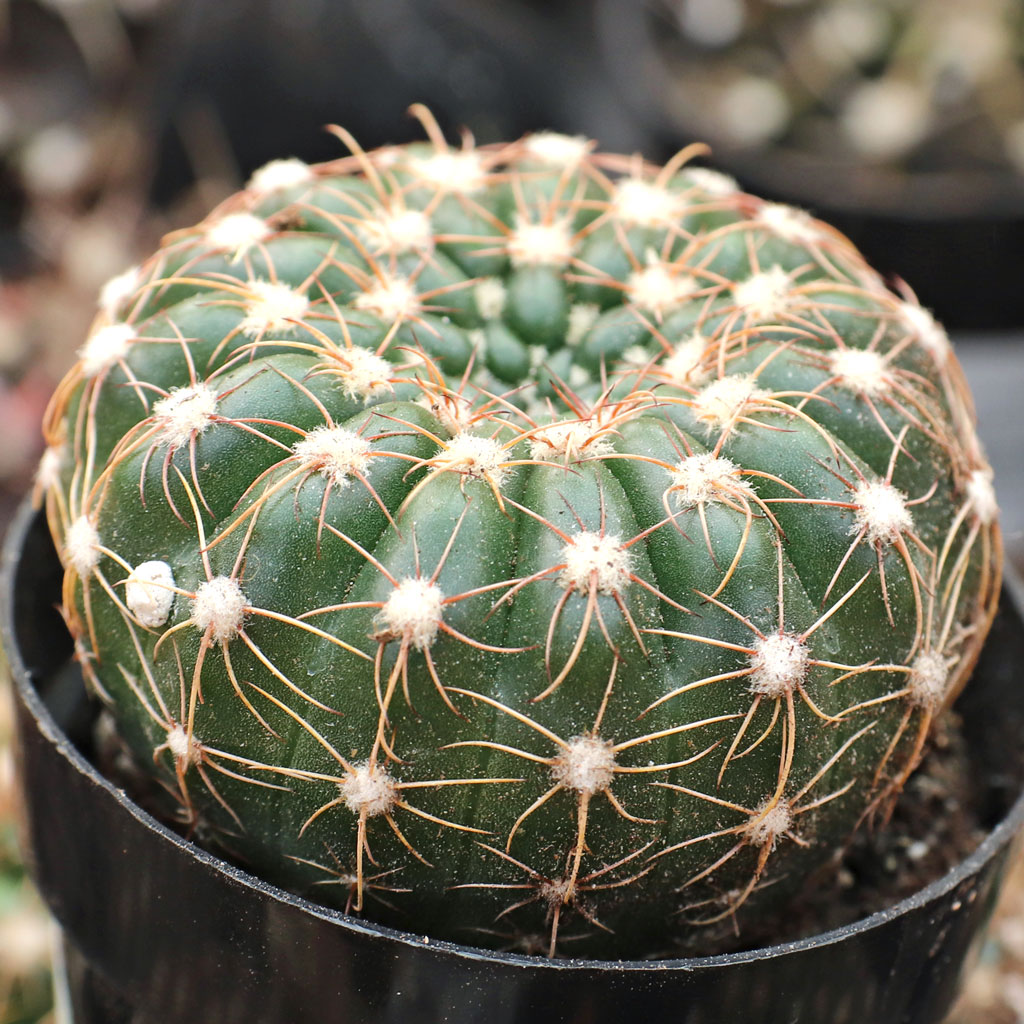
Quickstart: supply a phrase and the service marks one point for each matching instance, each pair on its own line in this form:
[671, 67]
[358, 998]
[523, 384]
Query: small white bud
[149, 593]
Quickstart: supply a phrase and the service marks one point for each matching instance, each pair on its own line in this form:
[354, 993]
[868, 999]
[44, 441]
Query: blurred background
[901, 121]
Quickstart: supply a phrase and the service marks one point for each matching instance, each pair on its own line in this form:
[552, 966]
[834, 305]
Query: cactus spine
[520, 543]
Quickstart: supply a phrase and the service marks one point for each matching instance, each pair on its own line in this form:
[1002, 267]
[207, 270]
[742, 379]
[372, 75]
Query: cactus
[521, 544]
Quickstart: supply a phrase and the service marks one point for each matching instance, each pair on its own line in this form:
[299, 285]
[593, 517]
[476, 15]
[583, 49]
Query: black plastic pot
[158, 931]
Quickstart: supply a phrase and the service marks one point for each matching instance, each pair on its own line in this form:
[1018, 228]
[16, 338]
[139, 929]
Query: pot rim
[999, 836]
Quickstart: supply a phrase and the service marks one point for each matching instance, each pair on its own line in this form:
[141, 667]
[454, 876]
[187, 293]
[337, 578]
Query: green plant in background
[519, 543]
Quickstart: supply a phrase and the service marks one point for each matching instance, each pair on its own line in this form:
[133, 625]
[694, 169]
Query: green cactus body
[521, 544]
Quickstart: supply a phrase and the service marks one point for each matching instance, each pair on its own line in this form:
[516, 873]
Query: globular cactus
[521, 544]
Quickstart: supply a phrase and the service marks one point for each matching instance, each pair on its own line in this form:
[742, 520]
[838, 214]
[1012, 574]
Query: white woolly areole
[571, 440]
[581, 318]
[366, 374]
[713, 182]
[645, 204]
[334, 452]
[635, 356]
[50, 464]
[540, 244]
[183, 413]
[149, 592]
[770, 821]
[279, 174]
[779, 663]
[705, 477]
[555, 149]
[413, 610]
[929, 332]
[473, 455]
[391, 297]
[118, 290]
[765, 295]
[368, 789]
[659, 287]
[397, 231]
[184, 749]
[881, 511]
[554, 892]
[982, 495]
[105, 347]
[460, 170]
[452, 410]
[683, 364]
[272, 306]
[861, 370]
[928, 680]
[588, 556]
[490, 296]
[721, 401]
[790, 223]
[82, 546]
[237, 232]
[586, 766]
[220, 607]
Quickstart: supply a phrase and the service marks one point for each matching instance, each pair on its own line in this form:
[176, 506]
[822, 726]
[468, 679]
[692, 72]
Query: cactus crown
[520, 543]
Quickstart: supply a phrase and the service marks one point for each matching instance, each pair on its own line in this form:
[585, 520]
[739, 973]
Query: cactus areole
[521, 544]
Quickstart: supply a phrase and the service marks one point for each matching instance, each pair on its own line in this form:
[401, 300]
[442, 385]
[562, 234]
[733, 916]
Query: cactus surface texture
[521, 544]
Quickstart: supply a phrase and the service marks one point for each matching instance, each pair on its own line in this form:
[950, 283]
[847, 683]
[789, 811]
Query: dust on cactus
[519, 543]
